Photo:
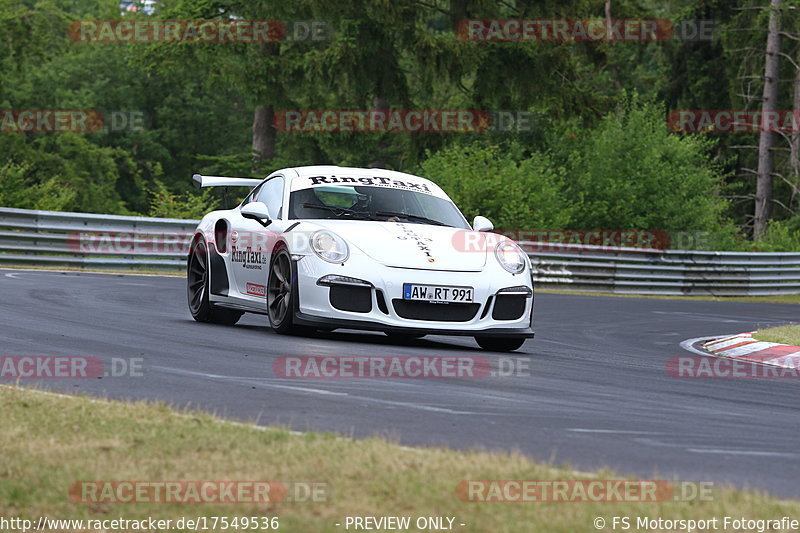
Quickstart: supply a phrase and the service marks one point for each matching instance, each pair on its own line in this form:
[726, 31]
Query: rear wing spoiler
[223, 181]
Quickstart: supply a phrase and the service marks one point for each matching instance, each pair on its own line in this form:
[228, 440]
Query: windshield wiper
[407, 216]
[338, 211]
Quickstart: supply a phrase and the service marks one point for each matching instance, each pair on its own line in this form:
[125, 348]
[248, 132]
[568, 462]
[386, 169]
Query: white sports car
[327, 247]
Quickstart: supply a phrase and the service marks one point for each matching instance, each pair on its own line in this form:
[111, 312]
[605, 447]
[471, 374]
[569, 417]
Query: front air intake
[439, 312]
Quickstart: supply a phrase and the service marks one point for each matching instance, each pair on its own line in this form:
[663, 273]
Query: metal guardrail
[667, 272]
[91, 241]
[49, 238]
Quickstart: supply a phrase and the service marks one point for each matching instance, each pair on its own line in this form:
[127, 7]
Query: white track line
[688, 344]
[61, 272]
[267, 382]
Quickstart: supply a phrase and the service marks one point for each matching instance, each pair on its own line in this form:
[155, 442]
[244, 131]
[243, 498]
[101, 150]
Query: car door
[251, 243]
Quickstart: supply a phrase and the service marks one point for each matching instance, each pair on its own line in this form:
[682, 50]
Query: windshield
[365, 202]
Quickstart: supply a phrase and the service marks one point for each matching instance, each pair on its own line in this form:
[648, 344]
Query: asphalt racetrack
[597, 393]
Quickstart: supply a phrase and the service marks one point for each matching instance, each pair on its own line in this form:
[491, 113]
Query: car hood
[406, 245]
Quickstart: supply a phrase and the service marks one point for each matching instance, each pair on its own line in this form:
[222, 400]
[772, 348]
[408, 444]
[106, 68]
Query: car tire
[197, 284]
[280, 291]
[500, 344]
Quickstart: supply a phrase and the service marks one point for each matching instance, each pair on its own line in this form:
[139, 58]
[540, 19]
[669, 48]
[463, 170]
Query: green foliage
[781, 236]
[515, 191]
[629, 173]
[595, 159]
[17, 190]
[632, 173]
[189, 205]
[90, 172]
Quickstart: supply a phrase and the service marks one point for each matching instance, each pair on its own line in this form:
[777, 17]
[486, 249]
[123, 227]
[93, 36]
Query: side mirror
[257, 211]
[480, 223]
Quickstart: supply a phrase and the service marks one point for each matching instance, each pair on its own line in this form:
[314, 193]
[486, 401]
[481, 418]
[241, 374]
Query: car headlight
[510, 256]
[329, 246]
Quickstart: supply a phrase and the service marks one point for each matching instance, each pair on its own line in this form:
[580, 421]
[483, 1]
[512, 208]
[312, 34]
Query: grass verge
[131, 271]
[49, 442]
[782, 334]
[777, 299]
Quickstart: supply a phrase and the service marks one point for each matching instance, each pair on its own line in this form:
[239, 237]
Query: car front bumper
[313, 303]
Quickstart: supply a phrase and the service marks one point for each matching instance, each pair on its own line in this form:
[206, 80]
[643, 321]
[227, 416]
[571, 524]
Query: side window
[271, 193]
[253, 194]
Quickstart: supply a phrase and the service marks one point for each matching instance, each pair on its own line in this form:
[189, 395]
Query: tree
[632, 173]
[769, 105]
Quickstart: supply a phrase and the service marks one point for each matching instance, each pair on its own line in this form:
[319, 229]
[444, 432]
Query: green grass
[782, 334]
[49, 442]
[778, 299]
[132, 271]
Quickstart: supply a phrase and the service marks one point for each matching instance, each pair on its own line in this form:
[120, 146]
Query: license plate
[436, 293]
